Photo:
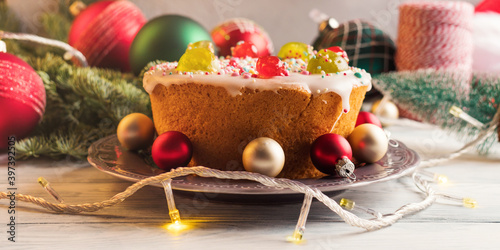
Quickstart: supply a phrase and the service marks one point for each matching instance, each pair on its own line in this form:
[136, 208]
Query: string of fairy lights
[343, 208]
[422, 178]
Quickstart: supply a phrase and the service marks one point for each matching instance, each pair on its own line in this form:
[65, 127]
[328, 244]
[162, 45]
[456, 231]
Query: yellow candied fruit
[327, 61]
[198, 59]
[202, 44]
[296, 50]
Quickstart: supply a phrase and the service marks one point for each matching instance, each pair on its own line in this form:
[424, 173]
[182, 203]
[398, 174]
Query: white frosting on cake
[229, 78]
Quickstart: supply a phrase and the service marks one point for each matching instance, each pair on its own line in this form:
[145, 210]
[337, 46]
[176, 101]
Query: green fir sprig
[83, 104]
[429, 95]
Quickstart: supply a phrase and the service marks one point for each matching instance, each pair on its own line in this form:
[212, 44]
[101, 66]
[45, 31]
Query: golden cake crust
[220, 125]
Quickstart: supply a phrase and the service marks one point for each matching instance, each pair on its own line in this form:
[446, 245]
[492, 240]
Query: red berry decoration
[269, 66]
[331, 153]
[244, 49]
[227, 34]
[172, 149]
[22, 98]
[367, 117]
[104, 32]
[338, 50]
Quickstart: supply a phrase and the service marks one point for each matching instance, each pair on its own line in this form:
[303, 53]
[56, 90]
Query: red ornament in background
[327, 150]
[367, 117]
[22, 98]
[488, 6]
[230, 32]
[172, 149]
[244, 49]
[104, 31]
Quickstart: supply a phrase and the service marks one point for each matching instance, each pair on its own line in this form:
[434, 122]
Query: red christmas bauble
[104, 32]
[230, 32]
[172, 149]
[244, 49]
[327, 150]
[488, 6]
[367, 117]
[22, 98]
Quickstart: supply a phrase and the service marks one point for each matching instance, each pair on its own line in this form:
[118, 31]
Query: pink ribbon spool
[436, 35]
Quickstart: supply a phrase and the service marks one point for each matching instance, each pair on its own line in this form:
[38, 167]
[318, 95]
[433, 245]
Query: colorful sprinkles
[245, 68]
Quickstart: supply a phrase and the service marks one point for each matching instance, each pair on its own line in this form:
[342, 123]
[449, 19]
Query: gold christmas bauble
[264, 156]
[136, 131]
[387, 110]
[369, 143]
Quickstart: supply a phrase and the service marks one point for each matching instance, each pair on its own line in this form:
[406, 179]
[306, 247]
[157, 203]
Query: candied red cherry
[244, 49]
[339, 51]
[269, 66]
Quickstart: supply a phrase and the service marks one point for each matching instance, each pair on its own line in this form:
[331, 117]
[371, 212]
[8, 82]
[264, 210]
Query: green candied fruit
[296, 50]
[198, 59]
[327, 61]
[202, 44]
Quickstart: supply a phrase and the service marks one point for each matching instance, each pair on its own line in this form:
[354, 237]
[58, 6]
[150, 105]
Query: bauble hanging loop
[331, 153]
[345, 168]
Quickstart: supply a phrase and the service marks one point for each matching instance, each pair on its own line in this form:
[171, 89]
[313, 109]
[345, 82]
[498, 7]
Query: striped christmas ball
[367, 46]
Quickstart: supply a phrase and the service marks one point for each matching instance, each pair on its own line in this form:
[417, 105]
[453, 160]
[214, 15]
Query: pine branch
[148, 67]
[8, 21]
[83, 105]
[429, 95]
[56, 26]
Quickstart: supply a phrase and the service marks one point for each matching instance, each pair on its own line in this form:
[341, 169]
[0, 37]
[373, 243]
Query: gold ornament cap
[76, 7]
[328, 24]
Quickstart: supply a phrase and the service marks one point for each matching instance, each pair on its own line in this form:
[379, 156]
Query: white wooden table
[137, 222]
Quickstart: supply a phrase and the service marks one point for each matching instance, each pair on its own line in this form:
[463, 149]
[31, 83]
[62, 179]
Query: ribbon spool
[436, 35]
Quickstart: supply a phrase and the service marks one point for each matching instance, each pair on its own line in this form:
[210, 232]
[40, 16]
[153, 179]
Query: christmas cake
[223, 104]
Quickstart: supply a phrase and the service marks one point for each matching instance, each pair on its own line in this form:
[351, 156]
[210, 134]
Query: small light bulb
[459, 113]
[300, 228]
[351, 205]
[466, 201]
[347, 204]
[176, 227]
[469, 202]
[43, 182]
[297, 237]
[441, 179]
[46, 185]
[67, 56]
[175, 216]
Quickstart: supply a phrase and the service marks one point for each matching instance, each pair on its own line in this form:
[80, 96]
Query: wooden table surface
[138, 222]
